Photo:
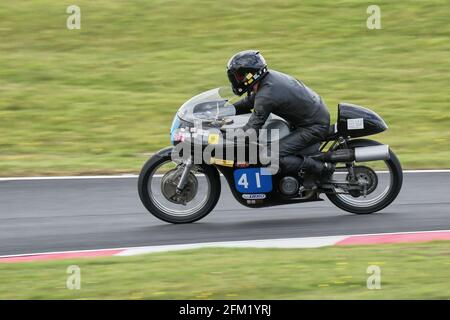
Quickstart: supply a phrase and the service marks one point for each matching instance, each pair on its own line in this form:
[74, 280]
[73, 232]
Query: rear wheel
[380, 183]
[157, 190]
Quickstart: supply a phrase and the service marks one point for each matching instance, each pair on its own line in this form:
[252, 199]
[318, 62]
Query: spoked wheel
[376, 183]
[157, 189]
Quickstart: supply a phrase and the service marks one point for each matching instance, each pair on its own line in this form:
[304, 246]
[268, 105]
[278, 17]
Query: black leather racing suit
[301, 107]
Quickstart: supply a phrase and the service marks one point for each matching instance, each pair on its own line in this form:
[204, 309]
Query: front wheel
[382, 181]
[157, 190]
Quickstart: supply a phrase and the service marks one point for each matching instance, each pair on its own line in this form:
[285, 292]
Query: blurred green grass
[408, 271]
[100, 99]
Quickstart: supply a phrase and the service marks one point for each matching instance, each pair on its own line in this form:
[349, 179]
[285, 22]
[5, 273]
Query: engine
[289, 186]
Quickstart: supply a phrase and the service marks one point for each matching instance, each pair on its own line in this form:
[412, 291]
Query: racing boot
[328, 170]
[316, 169]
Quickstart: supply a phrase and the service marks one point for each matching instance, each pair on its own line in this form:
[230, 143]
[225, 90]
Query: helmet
[245, 69]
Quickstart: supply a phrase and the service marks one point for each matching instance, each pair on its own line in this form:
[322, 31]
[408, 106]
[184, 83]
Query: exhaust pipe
[372, 153]
[360, 154]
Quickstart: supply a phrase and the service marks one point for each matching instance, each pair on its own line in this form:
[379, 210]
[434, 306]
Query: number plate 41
[253, 180]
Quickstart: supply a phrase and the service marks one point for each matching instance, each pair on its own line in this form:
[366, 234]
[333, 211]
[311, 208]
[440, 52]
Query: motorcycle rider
[270, 91]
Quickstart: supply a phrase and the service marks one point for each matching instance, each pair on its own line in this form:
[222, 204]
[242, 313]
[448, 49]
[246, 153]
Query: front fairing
[200, 115]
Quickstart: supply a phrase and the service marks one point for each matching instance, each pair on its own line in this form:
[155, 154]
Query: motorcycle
[367, 178]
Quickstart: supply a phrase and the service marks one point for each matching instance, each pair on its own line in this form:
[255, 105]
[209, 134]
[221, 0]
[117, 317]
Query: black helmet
[245, 69]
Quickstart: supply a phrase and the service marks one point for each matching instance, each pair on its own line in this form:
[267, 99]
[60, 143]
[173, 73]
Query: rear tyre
[151, 192]
[395, 184]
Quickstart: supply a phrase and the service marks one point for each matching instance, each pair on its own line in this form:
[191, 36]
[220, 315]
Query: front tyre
[155, 186]
[382, 190]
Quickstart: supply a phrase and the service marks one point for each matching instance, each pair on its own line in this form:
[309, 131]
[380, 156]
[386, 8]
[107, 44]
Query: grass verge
[408, 271]
[100, 99]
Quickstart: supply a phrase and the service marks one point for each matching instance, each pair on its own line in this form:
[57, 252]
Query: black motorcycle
[368, 175]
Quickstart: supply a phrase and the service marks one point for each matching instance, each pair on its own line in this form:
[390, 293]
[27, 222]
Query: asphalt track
[78, 214]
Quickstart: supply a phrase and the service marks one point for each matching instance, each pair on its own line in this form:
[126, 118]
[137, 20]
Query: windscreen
[208, 106]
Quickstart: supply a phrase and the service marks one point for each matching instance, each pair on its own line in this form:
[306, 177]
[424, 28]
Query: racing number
[251, 181]
[258, 180]
[243, 181]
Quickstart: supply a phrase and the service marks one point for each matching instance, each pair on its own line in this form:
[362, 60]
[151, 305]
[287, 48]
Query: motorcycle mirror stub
[228, 121]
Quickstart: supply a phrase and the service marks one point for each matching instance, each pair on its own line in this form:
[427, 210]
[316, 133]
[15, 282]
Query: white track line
[123, 176]
[134, 176]
[305, 242]
[311, 242]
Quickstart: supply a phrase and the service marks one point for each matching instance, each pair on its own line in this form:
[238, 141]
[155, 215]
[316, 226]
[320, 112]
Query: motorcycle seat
[276, 123]
[273, 122]
[310, 150]
[332, 132]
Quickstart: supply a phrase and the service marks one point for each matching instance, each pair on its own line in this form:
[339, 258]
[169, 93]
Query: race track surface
[78, 214]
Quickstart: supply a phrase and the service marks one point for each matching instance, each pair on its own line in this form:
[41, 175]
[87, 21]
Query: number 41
[243, 181]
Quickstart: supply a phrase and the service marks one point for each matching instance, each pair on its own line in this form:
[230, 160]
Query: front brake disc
[169, 184]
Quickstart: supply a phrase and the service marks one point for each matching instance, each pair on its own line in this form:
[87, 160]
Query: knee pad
[291, 164]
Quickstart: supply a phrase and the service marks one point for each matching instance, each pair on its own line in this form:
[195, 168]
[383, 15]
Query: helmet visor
[238, 76]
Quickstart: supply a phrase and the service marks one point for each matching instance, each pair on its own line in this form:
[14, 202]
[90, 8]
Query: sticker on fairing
[253, 180]
[253, 196]
[355, 124]
[213, 138]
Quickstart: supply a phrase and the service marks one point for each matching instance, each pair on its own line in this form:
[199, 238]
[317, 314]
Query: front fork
[184, 175]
